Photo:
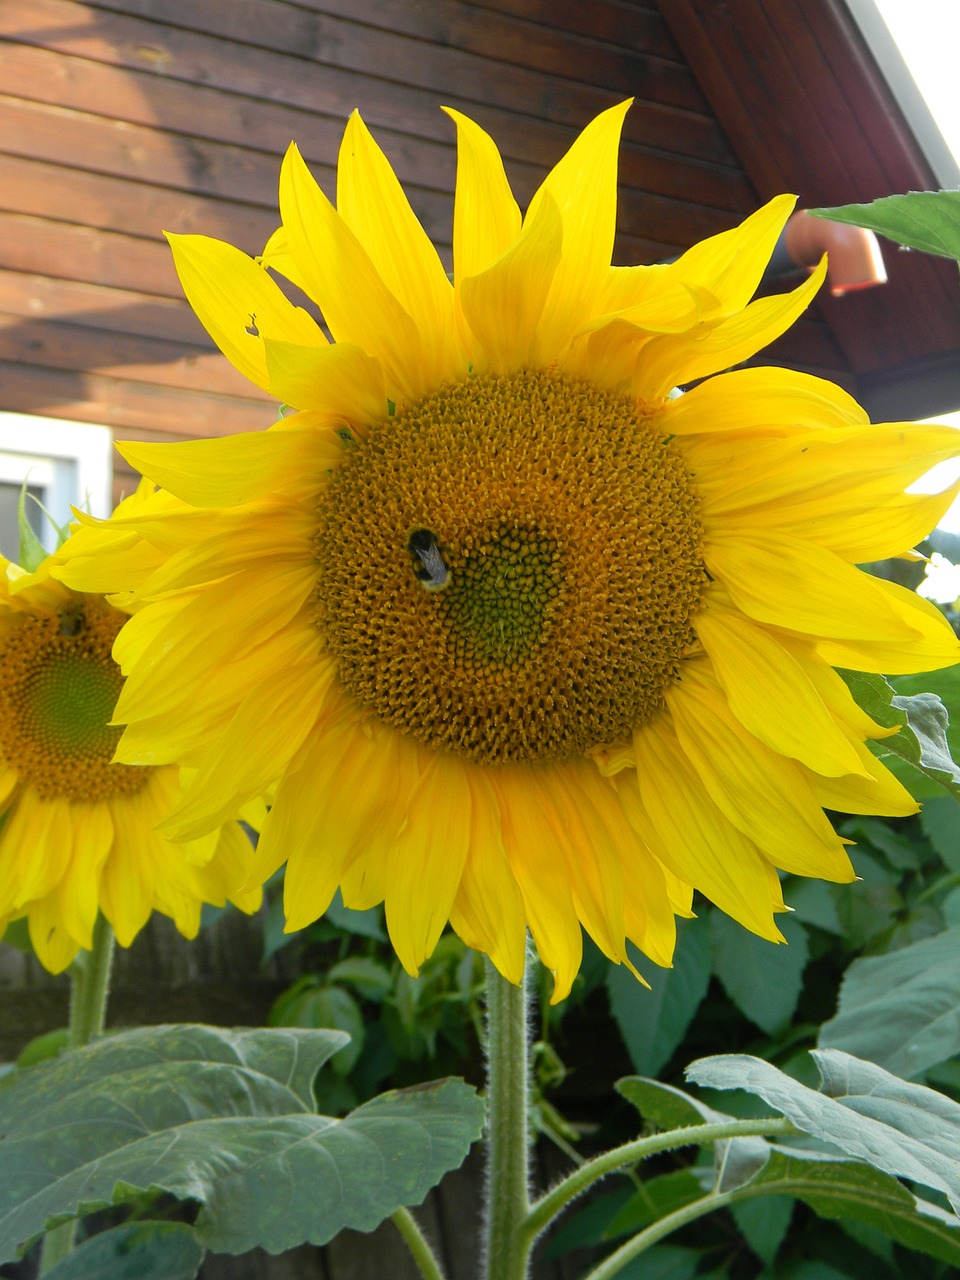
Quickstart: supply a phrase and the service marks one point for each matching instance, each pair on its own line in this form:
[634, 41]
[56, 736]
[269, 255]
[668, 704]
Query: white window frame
[72, 462]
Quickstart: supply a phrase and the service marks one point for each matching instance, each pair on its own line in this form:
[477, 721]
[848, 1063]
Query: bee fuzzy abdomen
[426, 558]
[72, 621]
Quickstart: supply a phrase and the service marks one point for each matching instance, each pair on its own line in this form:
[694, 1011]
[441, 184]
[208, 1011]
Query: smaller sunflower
[77, 832]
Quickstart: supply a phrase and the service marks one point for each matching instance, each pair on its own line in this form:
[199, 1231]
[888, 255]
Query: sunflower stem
[418, 1245]
[547, 1208]
[506, 1250]
[89, 987]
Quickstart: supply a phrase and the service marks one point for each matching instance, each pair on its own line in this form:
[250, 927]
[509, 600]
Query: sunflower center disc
[58, 688]
[509, 568]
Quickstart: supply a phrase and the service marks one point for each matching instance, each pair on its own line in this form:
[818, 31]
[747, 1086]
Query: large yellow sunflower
[77, 832]
[525, 639]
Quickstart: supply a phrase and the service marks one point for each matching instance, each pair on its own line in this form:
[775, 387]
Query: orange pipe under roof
[854, 260]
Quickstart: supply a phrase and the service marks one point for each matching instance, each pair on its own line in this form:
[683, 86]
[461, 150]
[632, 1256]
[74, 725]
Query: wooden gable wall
[122, 117]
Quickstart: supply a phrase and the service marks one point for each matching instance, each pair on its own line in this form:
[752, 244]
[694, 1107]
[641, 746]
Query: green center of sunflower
[509, 568]
[499, 604]
[58, 688]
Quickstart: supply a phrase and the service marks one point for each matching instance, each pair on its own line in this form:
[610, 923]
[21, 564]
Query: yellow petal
[341, 380]
[329, 842]
[802, 474]
[650, 917]
[356, 303]
[488, 911]
[486, 218]
[265, 605]
[695, 840]
[880, 793]
[769, 798]
[770, 690]
[591, 833]
[237, 302]
[504, 305]
[372, 203]
[531, 850]
[677, 359]
[36, 843]
[267, 728]
[428, 858]
[281, 541]
[716, 277]
[584, 186]
[276, 255]
[934, 644]
[228, 869]
[731, 264]
[54, 946]
[760, 399]
[78, 891]
[237, 468]
[798, 585]
[127, 880]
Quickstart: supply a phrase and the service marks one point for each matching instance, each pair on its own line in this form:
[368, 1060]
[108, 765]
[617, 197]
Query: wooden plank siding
[808, 111]
[120, 118]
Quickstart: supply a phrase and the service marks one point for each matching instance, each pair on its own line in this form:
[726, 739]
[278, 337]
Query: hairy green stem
[89, 987]
[418, 1245]
[550, 1205]
[506, 1247]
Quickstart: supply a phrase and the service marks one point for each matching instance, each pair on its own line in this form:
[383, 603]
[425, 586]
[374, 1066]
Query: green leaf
[902, 1129]
[663, 1262]
[32, 552]
[589, 1223]
[368, 976]
[226, 1119]
[922, 741]
[872, 905]
[653, 1200]
[366, 924]
[309, 1004]
[899, 850]
[901, 1010]
[49, 1045]
[808, 1269]
[134, 1251]
[666, 1106]
[653, 1022]
[850, 1189]
[813, 903]
[938, 821]
[927, 220]
[763, 979]
[736, 1160]
[763, 1224]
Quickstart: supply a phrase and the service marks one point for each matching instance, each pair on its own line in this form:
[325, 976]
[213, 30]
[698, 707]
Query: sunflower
[76, 830]
[525, 638]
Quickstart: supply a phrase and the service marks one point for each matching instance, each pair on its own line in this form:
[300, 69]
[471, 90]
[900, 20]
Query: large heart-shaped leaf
[134, 1251]
[903, 1129]
[849, 1189]
[923, 740]
[224, 1118]
[901, 1010]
